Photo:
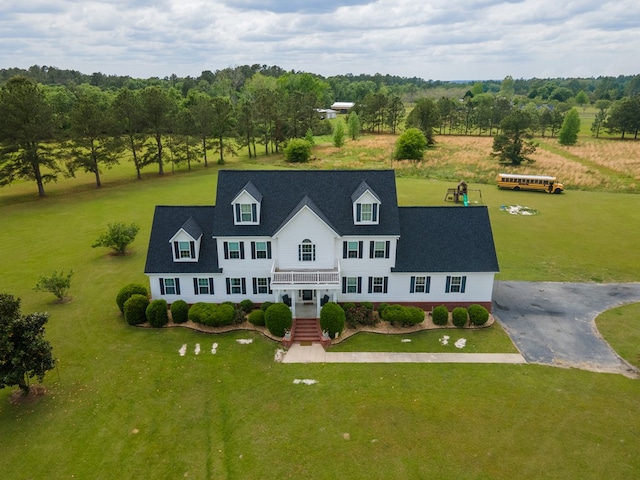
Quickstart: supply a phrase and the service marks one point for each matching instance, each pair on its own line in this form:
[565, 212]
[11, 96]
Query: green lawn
[124, 404]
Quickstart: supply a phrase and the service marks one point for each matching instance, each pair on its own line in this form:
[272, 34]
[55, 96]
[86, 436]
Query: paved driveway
[554, 323]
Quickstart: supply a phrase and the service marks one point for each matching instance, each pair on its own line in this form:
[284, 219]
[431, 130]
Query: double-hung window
[169, 286]
[420, 284]
[261, 285]
[379, 249]
[184, 249]
[261, 249]
[366, 212]
[306, 251]
[246, 212]
[378, 284]
[234, 249]
[456, 284]
[352, 249]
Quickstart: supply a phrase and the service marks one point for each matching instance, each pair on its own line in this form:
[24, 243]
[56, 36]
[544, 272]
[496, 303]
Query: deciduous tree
[514, 143]
[117, 237]
[568, 134]
[58, 283]
[24, 352]
[26, 125]
[426, 117]
[411, 145]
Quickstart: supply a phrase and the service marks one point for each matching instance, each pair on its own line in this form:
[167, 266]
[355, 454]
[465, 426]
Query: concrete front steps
[306, 331]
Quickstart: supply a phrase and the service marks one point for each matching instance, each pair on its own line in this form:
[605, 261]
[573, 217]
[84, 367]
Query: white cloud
[439, 39]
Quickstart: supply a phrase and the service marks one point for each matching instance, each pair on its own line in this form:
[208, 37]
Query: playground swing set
[461, 194]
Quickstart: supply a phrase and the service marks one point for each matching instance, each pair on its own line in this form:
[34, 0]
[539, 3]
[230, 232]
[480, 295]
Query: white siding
[305, 225]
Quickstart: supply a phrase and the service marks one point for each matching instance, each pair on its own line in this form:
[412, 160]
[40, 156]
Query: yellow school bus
[542, 183]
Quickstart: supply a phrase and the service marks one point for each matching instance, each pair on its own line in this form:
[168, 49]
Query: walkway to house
[314, 353]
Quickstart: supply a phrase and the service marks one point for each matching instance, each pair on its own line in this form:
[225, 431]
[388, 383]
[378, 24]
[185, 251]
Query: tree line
[47, 130]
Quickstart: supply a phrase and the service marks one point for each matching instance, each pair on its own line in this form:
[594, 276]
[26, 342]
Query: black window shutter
[255, 286]
[359, 284]
[371, 248]
[299, 253]
[210, 286]
[242, 250]
[360, 245]
[344, 284]
[176, 250]
[374, 216]
[269, 284]
[344, 250]
[387, 249]
[244, 286]
[254, 212]
[412, 288]
[195, 286]
[193, 249]
[177, 286]
[228, 286]
[427, 285]
[161, 286]
[464, 284]
[253, 250]
[370, 284]
[226, 250]
[386, 285]
[448, 286]
[358, 212]
[238, 216]
[268, 249]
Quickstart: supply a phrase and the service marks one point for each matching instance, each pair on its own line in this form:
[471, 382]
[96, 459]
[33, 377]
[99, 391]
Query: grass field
[124, 404]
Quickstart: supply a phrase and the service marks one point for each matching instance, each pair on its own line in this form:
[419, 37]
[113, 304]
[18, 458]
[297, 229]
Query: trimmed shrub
[135, 309]
[246, 305]
[125, 293]
[332, 318]
[211, 314]
[367, 305]
[381, 308]
[401, 315]
[179, 311]
[358, 315]
[257, 318]
[265, 305]
[459, 316]
[277, 319]
[157, 314]
[478, 315]
[297, 150]
[440, 315]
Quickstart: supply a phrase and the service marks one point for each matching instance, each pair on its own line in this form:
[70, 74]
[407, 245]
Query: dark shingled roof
[445, 239]
[166, 223]
[283, 190]
[192, 228]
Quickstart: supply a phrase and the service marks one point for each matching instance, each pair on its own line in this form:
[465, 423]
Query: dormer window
[366, 206]
[184, 249]
[185, 244]
[246, 206]
[366, 213]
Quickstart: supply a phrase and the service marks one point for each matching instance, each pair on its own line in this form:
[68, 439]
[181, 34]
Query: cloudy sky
[431, 39]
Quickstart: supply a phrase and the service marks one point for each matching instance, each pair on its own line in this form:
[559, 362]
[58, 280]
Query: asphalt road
[554, 323]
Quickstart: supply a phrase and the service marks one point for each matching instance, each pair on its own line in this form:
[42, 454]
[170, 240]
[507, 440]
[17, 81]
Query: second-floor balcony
[301, 277]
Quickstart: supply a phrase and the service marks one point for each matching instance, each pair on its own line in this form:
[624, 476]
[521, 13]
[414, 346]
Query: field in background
[124, 404]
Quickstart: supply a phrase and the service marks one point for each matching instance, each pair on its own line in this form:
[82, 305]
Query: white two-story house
[315, 236]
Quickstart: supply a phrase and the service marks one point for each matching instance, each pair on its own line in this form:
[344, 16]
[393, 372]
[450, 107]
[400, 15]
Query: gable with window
[246, 206]
[185, 244]
[366, 206]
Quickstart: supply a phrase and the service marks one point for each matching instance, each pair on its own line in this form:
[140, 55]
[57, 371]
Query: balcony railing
[306, 278]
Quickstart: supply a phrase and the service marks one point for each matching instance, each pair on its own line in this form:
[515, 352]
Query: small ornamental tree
[297, 151]
[117, 237]
[135, 309]
[125, 293]
[332, 319]
[277, 319]
[179, 311]
[157, 314]
[24, 353]
[339, 135]
[56, 283]
[568, 134]
[411, 145]
[353, 125]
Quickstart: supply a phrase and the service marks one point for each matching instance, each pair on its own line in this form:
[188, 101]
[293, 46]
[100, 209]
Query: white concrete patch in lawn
[444, 340]
[244, 341]
[214, 348]
[306, 381]
[183, 350]
[461, 343]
